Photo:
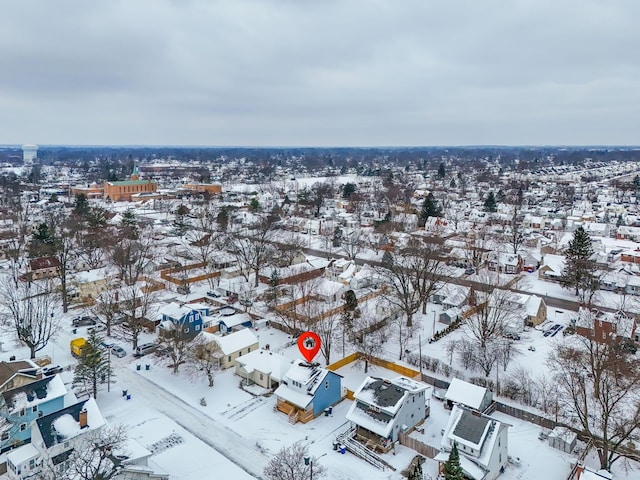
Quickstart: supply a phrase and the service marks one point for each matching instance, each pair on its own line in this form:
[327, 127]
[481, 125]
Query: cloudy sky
[320, 72]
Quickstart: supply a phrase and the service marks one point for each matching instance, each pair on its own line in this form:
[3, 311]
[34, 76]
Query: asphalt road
[239, 450]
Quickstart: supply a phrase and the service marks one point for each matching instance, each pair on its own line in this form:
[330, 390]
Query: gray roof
[471, 427]
[386, 394]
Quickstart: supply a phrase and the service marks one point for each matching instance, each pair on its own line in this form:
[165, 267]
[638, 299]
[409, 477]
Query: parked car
[98, 328]
[145, 349]
[84, 321]
[51, 370]
[213, 293]
[118, 351]
[469, 271]
[512, 336]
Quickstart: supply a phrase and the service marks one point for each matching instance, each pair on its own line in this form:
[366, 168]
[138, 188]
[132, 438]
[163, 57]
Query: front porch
[294, 413]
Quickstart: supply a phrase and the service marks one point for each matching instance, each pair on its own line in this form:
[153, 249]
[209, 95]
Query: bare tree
[29, 313]
[95, 456]
[405, 333]
[203, 358]
[598, 387]
[294, 463]
[325, 326]
[351, 243]
[255, 249]
[411, 276]
[136, 305]
[176, 345]
[369, 336]
[493, 310]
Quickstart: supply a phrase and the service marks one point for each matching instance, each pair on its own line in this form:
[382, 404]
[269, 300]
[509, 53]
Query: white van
[145, 349]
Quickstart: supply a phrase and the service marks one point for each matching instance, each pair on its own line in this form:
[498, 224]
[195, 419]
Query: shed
[563, 439]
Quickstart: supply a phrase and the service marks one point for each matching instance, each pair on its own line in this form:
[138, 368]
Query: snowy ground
[237, 432]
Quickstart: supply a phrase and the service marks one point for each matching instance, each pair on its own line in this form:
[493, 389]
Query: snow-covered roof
[299, 399]
[264, 361]
[465, 393]
[23, 454]
[233, 342]
[175, 310]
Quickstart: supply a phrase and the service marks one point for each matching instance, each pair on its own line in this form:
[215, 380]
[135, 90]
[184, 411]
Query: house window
[5, 436]
[197, 327]
[500, 458]
[23, 427]
[34, 408]
[22, 412]
[326, 385]
[40, 414]
[229, 358]
[261, 376]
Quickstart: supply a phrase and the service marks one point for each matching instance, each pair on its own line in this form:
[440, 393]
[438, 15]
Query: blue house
[235, 322]
[26, 403]
[307, 390]
[186, 319]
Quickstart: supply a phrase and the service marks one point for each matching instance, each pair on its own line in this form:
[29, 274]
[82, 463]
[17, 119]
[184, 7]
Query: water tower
[29, 154]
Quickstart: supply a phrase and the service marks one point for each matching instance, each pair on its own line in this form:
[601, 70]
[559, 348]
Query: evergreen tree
[94, 367]
[620, 221]
[348, 190]
[452, 183]
[441, 170]
[223, 218]
[43, 241]
[81, 206]
[452, 468]
[429, 209]
[578, 267]
[254, 206]
[337, 237]
[490, 204]
[129, 225]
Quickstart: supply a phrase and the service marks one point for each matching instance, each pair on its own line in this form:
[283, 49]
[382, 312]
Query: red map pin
[309, 345]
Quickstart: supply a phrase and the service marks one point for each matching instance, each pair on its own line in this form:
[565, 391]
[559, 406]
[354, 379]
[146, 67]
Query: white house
[263, 367]
[481, 440]
[383, 408]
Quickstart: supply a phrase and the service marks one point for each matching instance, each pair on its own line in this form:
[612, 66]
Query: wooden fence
[415, 444]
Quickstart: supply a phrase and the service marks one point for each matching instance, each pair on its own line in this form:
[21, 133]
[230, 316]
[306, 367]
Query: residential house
[633, 285]
[602, 326]
[26, 403]
[467, 394]
[232, 323]
[551, 267]
[17, 373]
[229, 347]
[384, 408]
[186, 319]
[630, 256]
[307, 390]
[586, 473]
[625, 232]
[53, 439]
[263, 367]
[505, 262]
[482, 443]
[43, 267]
[89, 284]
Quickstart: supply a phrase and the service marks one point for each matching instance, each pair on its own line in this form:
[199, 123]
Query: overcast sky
[320, 72]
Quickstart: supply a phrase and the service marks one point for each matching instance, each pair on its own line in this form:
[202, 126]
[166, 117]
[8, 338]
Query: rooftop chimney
[83, 418]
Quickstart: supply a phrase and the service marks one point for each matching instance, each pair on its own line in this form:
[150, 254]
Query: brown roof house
[43, 267]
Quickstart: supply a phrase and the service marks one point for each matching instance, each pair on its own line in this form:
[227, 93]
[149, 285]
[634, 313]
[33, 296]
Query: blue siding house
[186, 319]
[24, 404]
[307, 390]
